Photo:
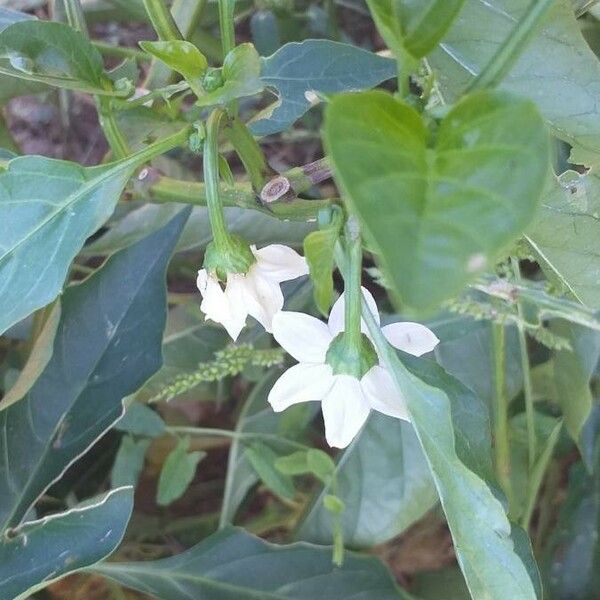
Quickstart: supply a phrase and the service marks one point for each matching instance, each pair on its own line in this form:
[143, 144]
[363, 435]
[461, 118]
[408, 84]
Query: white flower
[256, 293]
[345, 400]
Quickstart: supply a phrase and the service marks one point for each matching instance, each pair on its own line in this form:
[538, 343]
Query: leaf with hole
[437, 212]
[298, 70]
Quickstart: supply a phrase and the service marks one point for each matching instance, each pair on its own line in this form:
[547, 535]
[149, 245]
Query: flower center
[348, 358]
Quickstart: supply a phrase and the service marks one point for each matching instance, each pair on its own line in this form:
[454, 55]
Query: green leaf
[241, 77]
[318, 251]
[573, 370]
[47, 210]
[55, 54]
[232, 565]
[259, 227]
[129, 461]
[40, 355]
[561, 87]
[438, 213]
[6, 141]
[107, 344]
[43, 551]
[414, 26]
[177, 472]
[140, 419]
[179, 55]
[565, 236]
[320, 66]
[384, 482]
[263, 460]
[477, 520]
[573, 553]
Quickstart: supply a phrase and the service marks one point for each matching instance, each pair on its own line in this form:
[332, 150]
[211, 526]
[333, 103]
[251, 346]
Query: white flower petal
[263, 298]
[225, 307]
[301, 383]
[345, 410]
[383, 396]
[280, 263]
[414, 338]
[305, 338]
[336, 316]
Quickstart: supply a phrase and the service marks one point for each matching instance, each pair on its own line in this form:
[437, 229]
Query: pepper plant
[431, 264]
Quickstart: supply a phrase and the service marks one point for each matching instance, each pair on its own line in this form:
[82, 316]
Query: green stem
[169, 91]
[526, 368]
[536, 475]
[160, 147]
[352, 283]
[227, 25]
[501, 440]
[108, 122]
[75, 16]
[507, 55]
[249, 151]
[162, 20]
[120, 51]
[221, 237]
[236, 435]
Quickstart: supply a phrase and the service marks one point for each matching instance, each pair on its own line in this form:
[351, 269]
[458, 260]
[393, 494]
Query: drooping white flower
[256, 293]
[346, 401]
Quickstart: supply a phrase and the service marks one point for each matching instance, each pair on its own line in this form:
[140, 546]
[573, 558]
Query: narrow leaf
[107, 344]
[177, 473]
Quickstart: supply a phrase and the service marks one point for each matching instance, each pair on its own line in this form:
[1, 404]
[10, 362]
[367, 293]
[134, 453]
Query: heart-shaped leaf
[413, 26]
[438, 208]
[107, 344]
[43, 551]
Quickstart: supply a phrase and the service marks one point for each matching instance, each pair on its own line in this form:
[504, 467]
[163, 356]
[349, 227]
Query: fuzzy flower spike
[346, 399]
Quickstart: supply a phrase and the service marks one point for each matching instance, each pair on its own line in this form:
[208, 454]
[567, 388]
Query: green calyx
[348, 358]
[212, 79]
[229, 255]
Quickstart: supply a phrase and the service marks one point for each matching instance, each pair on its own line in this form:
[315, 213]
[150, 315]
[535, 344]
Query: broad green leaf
[564, 88]
[565, 235]
[141, 420]
[384, 482]
[55, 54]
[572, 565]
[263, 459]
[107, 344]
[47, 210]
[177, 472]
[320, 66]
[573, 370]
[179, 55]
[129, 461]
[43, 551]
[240, 74]
[318, 251]
[232, 565]
[439, 212]
[413, 26]
[477, 519]
[40, 355]
[257, 227]
[468, 356]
